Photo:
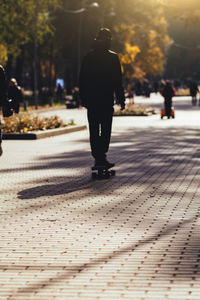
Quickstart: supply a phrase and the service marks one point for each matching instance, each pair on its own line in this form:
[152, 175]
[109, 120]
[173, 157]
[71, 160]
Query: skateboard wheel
[112, 172]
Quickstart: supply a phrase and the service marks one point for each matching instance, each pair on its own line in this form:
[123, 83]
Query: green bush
[27, 122]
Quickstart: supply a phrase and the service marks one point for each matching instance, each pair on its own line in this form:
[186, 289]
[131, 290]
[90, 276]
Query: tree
[142, 25]
[184, 54]
[139, 33]
[17, 24]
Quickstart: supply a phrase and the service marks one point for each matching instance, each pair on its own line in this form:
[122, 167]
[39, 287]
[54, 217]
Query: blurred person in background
[168, 92]
[59, 93]
[3, 99]
[76, 97]
[193, 92]
[15, 94]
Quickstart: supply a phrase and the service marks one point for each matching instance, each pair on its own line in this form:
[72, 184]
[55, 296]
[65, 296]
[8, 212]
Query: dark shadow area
[53, 189]
[138, 152]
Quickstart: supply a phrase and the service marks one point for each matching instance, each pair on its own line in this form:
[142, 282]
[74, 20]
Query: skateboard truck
[102, 172]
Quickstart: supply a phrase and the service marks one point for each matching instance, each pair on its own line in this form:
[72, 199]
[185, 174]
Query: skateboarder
[101, 78]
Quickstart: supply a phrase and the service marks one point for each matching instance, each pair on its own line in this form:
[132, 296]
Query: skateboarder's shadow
[50, 190]
[64, 187]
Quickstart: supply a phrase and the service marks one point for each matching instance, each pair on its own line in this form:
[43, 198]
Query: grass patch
[27, 122]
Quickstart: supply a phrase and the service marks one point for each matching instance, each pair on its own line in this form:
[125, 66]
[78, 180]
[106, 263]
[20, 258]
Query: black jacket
[168, 92]
[15, 93]
[3, 87]
[101, 78]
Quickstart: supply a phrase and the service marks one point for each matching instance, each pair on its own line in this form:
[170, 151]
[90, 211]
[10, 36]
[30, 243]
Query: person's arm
[119, 90]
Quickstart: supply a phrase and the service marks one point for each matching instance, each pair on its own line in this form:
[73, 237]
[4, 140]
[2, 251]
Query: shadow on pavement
[69, 272]
[137, 153]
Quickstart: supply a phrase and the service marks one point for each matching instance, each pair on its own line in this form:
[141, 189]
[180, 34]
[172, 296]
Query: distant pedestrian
[156, 87]
[59, 93]
[168, 92]
[130, 93]
[193, 92]
[100, 79]
[147, 89]
[15, 94]
[3, 99]
[76, 96]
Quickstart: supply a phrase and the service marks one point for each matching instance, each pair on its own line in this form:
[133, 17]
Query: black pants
[100, 124]
[168, 106]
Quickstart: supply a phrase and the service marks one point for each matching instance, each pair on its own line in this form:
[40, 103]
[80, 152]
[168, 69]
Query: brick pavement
[134, 236]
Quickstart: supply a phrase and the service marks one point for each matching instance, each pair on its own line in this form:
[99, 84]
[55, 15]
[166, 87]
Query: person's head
[104, 34]
[168, 83]
[104, 37]
[13, 82]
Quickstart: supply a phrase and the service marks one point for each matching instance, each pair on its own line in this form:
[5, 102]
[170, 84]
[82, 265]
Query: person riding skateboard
[101, 78]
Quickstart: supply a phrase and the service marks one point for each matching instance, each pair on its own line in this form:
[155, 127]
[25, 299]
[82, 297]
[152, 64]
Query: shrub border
[42, 134]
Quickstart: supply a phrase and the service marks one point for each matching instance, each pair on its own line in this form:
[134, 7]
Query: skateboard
[163, 113]
[102, 172]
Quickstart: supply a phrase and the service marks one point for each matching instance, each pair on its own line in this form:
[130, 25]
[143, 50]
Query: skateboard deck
[102, 172]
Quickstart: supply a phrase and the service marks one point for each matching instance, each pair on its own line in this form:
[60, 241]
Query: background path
[134, 236]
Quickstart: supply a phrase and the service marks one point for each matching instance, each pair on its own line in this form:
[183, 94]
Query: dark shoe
[108, 164]
[104, 163]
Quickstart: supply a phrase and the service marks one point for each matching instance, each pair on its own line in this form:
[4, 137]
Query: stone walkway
[135, 236]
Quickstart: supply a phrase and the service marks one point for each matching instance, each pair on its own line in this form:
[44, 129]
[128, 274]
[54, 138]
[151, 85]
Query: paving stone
[134, 236]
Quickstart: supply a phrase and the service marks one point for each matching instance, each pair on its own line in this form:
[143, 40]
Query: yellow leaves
[155, 61]
[130, 54]
[153, 56]
[127, 59]
[125, 31]
[3, 55]
[149, 61]
[142, 32]
[134, 110]
[26, 122]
